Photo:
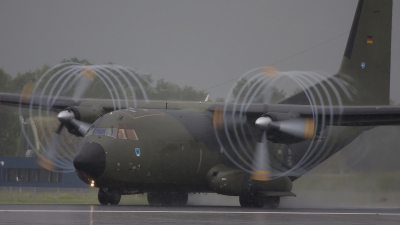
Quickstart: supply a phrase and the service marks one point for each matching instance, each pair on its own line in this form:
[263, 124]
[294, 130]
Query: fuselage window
[121, 134]
[111, 132]
[131, 134]
[99, 131]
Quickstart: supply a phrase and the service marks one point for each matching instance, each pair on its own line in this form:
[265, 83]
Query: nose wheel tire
[112, 197]
[102, 197]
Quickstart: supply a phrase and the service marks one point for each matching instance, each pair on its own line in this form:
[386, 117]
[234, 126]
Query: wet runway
[96, 214]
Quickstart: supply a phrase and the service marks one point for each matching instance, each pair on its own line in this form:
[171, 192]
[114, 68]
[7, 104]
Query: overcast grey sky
[196, 43]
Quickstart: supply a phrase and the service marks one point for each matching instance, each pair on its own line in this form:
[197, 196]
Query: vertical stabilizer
[366, 61]
[363, 79]
[365, 68]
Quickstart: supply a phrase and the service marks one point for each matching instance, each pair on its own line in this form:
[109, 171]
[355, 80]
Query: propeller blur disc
[56, 148]
[267, 85]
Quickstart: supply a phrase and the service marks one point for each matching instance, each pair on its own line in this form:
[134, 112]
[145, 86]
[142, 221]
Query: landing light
[92, 184]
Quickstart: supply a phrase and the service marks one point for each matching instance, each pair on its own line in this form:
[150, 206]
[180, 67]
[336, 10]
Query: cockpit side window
[111, 132]
[131, 134]
[99, 131]
[121, 134]
[124, 132]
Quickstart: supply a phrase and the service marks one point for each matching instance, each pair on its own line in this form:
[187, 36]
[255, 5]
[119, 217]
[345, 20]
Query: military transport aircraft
[246, 149]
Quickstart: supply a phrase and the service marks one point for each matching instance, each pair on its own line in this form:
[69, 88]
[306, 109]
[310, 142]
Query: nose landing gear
[109, 196]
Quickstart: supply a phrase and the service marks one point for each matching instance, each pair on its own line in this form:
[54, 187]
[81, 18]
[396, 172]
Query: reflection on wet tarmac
[96, 214]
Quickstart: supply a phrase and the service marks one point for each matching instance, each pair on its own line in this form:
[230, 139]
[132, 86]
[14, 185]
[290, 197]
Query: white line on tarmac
[203, 212]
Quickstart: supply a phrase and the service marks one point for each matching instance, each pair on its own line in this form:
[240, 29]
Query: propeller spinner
[67, 117]
[302, 128]
[299, 128]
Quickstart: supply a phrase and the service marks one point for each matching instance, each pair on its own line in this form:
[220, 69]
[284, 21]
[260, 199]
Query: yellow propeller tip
[270, 71]
[46, 163]
[89, 73]
[261, 175]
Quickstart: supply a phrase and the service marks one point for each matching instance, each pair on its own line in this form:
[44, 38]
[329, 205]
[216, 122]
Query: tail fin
[367, 56]
[366, 62]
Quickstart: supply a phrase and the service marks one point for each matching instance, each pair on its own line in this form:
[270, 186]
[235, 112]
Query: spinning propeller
[255, 88]
[261, 170]
[68, 118]
[119, 84]
[302, 128]
[299, 129]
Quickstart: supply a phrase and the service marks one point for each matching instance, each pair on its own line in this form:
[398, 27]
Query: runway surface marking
[203, 212]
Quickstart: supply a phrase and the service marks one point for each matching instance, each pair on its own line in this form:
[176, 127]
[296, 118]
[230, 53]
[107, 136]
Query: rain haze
[204, 44]
[208, 45]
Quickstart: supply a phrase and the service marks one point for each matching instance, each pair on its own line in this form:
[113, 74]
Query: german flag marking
[261, 175]
[370, 40]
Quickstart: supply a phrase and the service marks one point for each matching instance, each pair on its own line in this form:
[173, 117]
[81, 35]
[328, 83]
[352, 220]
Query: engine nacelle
[225, 180]
[281, 184]
[231, 181]
[286, 127]
[87, 114]
[78, 119]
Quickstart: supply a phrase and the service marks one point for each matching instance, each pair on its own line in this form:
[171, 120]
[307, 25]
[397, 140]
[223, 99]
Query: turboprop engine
[286, 127]
[231, 181]
[78, 119]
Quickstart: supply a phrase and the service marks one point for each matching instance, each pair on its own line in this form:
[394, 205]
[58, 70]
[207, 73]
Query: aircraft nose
[90, 160]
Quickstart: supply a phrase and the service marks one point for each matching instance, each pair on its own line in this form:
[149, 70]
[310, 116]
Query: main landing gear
[107, 196]
[167, 198]
[258, 201]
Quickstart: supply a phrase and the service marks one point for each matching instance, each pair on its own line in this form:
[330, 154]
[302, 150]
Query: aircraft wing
[26, 101]
[61, 103]
[330, 115]
[108, 105]
[348, 115]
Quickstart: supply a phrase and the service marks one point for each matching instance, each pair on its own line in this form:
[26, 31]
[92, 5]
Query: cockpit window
[99, 131]
[127, 134]
[111, 132]
[131, 134]
[121, 134]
